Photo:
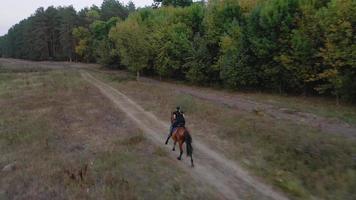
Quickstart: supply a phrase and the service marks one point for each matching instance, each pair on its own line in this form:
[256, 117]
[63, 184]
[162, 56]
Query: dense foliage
[48, 33]
[293, 46]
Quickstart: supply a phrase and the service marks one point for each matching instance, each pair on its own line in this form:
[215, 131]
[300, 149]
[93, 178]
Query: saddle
[178, 126]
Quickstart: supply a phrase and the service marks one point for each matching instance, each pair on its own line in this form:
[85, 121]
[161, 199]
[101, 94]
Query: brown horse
[181, 135]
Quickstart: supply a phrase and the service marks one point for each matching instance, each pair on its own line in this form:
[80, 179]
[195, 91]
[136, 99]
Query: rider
[178, 121]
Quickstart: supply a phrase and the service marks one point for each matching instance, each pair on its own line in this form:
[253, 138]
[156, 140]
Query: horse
[181, 135]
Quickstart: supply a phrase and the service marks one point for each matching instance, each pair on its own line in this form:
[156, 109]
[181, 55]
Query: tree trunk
[138, 75]
[337, 100]
[305, 91]
[53, 47]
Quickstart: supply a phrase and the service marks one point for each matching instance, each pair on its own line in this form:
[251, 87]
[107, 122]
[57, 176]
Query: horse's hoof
[179, 158]
[173, 149]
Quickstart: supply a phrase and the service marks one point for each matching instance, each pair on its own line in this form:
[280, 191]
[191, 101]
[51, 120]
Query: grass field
[324, 107]
[320, 106]
[66, 141]
[302, 161]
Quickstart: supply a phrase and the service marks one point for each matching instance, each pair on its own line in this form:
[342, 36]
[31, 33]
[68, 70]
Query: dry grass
[320, 106]
[69, 142]
[300, 160]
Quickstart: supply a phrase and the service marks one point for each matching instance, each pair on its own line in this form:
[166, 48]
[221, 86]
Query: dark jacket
[180, 121]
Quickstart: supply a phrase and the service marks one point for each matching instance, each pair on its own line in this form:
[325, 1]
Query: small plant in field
[77, 175]
[160, 152]
[118, 188]
[133, 140]
[187, 102]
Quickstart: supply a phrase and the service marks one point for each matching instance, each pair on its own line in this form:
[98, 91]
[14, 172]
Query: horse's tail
[188, 142]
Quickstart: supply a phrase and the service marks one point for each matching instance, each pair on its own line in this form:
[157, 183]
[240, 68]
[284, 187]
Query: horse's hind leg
[191, 160]
[181, 150]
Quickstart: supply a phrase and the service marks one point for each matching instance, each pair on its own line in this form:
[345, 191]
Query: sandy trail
[225, 175]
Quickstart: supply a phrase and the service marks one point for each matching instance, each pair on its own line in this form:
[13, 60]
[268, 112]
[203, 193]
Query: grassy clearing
[69, 142]
[302, 161]
[318, 106]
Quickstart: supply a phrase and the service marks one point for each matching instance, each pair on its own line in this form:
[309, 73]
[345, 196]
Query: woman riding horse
[177, 120]
[180, 134]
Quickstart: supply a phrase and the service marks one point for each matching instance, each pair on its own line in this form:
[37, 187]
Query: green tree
[68, 22]
[2, 46]
[269, 29]
[339, 50]
[289, 46]
[105, 51]
[113, 8]
[41, 36]
[198, 71]
[131, 7]
[235, 72]
[175, 47]
[174, 3]
[52, 25]
[129, 38]
[84, 47]
[302, 58]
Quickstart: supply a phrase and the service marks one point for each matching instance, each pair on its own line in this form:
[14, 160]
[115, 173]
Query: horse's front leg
[181, 150]
[170, 134]
[174, 145]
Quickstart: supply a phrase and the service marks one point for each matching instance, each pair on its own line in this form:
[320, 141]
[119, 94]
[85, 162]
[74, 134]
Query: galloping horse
[181, 135]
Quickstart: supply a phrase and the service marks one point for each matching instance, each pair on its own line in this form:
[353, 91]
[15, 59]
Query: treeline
[293, 46]
[48, 33]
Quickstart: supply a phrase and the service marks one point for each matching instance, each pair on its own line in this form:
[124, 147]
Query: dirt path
[225, 175]
[324, 124]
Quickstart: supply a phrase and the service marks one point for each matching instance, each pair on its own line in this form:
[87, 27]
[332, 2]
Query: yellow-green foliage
[292, 46]
[130, 39]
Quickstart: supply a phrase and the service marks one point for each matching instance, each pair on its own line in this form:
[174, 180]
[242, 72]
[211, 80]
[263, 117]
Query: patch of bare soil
[212, 168]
